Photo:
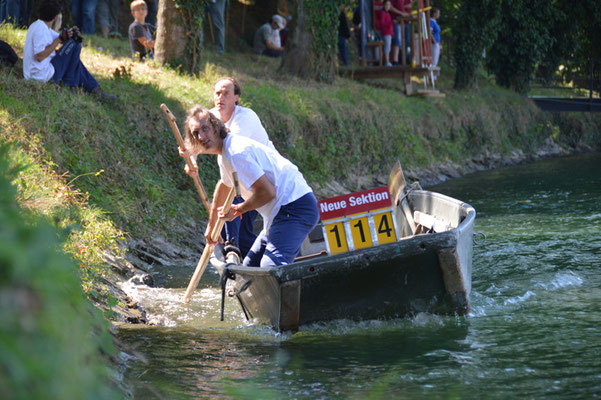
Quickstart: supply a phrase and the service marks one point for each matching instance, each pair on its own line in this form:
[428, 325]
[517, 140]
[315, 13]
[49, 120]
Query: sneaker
[102, 95]
[388, 64]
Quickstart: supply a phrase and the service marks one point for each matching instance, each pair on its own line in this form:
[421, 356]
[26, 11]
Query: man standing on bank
[240, 121]
[270, 184]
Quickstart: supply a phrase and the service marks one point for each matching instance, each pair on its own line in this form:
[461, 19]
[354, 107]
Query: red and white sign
[354, 203]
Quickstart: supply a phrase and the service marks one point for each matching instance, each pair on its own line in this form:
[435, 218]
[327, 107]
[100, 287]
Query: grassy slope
[123, 156]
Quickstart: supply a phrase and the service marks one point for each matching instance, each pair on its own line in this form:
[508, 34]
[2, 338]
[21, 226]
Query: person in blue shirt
[435, 37]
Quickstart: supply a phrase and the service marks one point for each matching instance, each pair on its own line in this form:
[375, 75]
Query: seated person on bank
[42, 62]
[140, 37]
[267, 38]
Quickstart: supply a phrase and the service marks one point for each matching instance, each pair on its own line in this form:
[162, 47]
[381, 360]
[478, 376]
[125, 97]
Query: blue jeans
[290, 227]
[9, 11]
[83, 12]
[217, 10]
[25, 12]
[242, 231]
[397, 40]
[69, 70]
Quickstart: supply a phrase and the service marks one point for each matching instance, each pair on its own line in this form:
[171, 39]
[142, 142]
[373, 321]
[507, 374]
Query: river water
[534, 330]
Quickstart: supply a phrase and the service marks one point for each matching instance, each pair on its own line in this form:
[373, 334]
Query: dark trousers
[217, 11]
[242, 230]
[289, 228]
[272, 53]
[342, 50]
[83, 12]
[69, 70]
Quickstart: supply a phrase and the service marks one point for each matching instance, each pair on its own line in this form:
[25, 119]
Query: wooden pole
[208, 250]
[180, 142]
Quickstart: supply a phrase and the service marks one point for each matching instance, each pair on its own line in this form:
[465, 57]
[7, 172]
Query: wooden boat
[427, 270]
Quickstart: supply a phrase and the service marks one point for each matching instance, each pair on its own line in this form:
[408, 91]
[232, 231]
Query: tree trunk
[171, 39]
[300, 57]
[298, 46]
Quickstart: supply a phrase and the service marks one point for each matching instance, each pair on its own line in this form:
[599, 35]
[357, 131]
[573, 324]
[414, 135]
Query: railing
[592, 82]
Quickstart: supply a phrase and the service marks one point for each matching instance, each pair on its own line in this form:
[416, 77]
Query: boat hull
[421, 273]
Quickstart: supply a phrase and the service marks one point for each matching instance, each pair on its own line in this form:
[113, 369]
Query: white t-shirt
[39, 36]
[245, 122]
[252, 160]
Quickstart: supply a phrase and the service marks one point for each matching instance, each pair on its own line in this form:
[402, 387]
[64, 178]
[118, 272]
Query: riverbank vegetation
[105, 174]
[53, 343]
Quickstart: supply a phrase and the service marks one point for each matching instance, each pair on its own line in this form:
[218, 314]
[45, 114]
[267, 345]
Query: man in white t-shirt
[240, 121]
[270, 184]
[267, 38]
[42, 62]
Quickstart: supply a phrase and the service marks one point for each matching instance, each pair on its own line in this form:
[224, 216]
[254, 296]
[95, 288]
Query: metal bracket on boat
[227, 274]
[224, 277]
[414, 186]
[480, 241]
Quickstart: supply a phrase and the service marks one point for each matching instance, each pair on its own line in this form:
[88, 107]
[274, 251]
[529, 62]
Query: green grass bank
[103, 175]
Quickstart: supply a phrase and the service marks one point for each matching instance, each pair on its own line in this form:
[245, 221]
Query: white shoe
[388, 64]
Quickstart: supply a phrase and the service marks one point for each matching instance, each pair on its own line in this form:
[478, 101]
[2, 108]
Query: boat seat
[428, 223]
[314, 243]
[316, 235]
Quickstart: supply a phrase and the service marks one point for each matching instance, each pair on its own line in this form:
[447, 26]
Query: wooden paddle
[398, 187]
[180, 142]
[208, 250]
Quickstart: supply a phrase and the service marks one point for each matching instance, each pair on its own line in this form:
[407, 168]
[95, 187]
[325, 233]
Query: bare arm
[263, 192]
[42, 55]
[147, 43]
[395, 10]
[272, 46]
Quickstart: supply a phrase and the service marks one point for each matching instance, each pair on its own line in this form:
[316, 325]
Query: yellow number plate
[336, 237]
[361, 233]
[385, 228]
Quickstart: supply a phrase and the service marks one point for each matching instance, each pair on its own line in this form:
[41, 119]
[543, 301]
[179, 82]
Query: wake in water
[164, 307]
[495, 299]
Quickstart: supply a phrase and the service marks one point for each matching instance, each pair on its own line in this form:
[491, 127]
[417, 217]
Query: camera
[76, 36]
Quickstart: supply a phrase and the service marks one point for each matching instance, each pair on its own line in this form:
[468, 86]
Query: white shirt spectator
[39, 36]
[245, 122]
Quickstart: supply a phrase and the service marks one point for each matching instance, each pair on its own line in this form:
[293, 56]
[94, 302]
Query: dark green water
[535, 329]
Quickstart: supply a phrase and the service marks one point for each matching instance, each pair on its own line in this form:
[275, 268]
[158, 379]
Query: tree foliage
[576, 33]
[475, 29]
[50, 336]
[523, 38]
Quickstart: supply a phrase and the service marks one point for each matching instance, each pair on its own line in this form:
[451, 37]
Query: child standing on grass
[140, 38]
[386, 27]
